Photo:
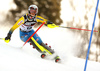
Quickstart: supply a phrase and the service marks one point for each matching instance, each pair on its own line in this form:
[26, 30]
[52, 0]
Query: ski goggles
[33, 10]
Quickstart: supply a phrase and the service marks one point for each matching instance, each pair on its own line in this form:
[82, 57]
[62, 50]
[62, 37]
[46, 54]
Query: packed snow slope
[63, 41]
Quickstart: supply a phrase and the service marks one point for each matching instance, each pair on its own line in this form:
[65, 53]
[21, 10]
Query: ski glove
[51, 24]
[7, 38]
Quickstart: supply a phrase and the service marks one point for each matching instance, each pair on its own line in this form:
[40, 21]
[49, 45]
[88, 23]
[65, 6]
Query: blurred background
[68, 13]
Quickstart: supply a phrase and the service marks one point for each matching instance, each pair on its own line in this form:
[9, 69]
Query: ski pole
[1, 38]
[34, 33]
[77, 28]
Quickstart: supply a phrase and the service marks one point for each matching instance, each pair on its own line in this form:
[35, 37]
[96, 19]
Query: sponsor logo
[40, 18]
[29, 23]
[20, 22]
[22, 36]
[37, 39]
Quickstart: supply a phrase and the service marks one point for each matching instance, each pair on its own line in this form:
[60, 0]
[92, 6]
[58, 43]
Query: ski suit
[25, 25]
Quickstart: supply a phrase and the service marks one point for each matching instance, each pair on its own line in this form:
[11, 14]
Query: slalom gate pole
[91, 36]
[34, 33]
[77, 28]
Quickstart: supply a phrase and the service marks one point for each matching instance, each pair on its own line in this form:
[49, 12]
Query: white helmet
[33, 7]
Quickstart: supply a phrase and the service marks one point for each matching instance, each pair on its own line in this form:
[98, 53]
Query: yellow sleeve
[17, 24]
[41, 19]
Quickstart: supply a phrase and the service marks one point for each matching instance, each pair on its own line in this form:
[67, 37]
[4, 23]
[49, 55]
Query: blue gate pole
[91, 36]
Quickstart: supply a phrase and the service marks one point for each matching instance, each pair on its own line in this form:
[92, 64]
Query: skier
[26, 23]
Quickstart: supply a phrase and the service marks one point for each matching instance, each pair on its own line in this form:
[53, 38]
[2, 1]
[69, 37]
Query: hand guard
[51, 25]
[8, 38]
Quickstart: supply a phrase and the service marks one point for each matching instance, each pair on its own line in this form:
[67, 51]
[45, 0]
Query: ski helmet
[33, 9]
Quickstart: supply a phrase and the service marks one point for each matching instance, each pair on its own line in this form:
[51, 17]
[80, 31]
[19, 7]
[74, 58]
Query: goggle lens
[32, 11]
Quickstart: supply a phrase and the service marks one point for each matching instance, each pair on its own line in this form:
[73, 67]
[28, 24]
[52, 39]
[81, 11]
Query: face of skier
[32, 11]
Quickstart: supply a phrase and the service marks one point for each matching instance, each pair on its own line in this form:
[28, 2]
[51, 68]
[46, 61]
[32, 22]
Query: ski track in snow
[15, 58]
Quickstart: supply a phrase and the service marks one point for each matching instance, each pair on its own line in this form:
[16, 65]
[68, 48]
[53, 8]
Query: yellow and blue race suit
[26, 30]
[26, 27]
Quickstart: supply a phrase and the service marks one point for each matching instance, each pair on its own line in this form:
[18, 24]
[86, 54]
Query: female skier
[25, 24]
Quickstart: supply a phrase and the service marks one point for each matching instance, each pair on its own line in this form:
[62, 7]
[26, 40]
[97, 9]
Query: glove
[51, 25]
[8, 38]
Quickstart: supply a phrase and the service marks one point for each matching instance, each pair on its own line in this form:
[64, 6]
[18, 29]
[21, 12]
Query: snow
[63, 41]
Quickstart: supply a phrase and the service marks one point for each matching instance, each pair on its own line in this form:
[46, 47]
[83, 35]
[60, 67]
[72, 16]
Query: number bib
[28, 25]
